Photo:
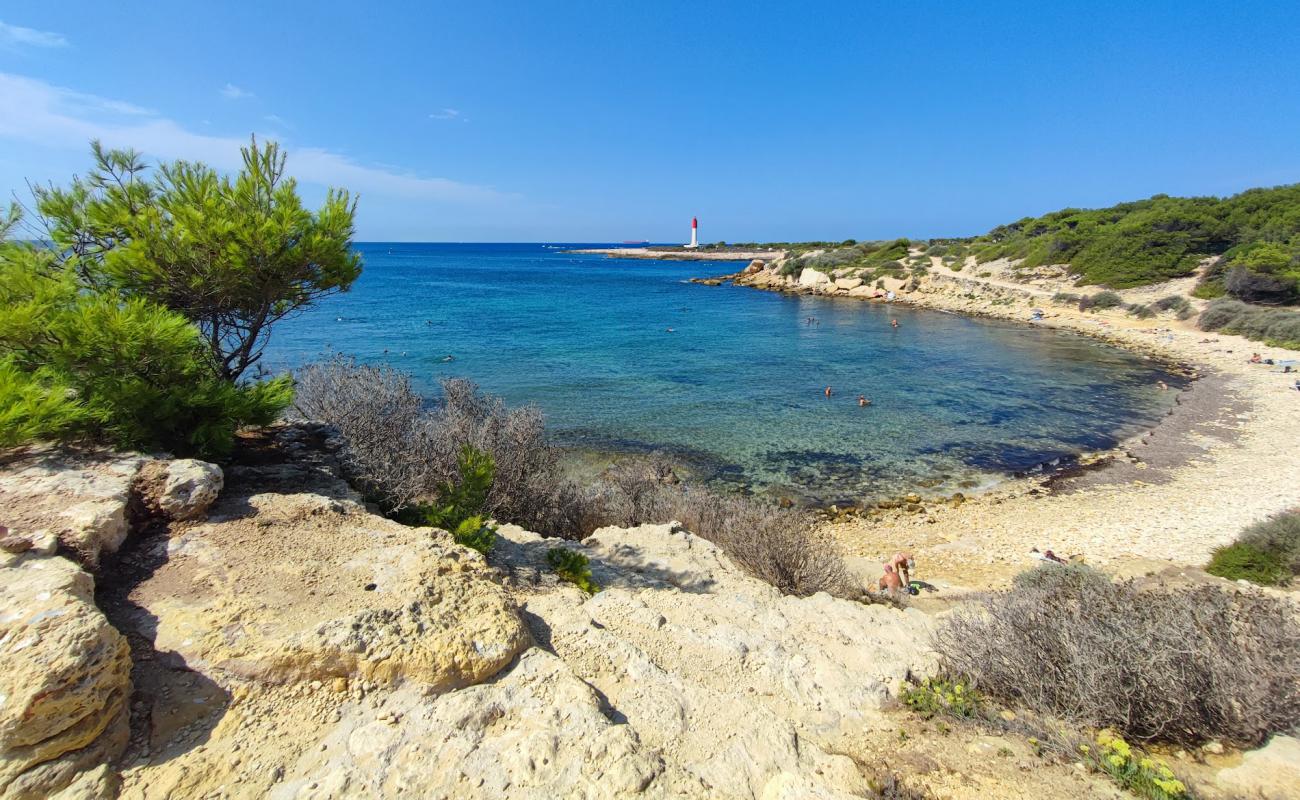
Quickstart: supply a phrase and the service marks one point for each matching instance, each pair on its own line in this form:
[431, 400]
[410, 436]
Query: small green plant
[1140, 774]
[1246, 561]
[459, 507]
[1104, 300]
[1065, 298]
[573, 567]
[940, 696]
[1266, 553]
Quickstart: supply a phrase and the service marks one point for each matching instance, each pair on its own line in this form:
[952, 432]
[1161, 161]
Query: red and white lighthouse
[695, 225]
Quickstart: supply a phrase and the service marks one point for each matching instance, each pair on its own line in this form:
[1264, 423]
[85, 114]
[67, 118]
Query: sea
[627, 357]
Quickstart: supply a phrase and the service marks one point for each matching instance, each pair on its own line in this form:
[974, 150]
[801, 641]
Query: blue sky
[578, 121]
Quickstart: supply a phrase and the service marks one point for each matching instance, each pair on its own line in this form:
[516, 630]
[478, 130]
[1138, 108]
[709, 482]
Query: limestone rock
[65, 675]
[864, 290]
[307, 587]
[79, 498]
[188, 488]
[813, 279]
[1269, 773]
[848, 284]
[538, 732]
[756, 265]
[750, 692]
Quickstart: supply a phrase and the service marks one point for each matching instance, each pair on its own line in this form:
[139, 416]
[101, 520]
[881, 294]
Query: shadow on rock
[173, 708]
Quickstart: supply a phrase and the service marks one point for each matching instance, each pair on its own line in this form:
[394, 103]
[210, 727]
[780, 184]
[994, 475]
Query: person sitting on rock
[889, 582]
[903, 564]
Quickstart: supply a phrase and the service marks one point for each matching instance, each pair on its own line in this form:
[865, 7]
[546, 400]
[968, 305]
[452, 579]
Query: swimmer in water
[863, 402]
[893, 323]
[828, 391]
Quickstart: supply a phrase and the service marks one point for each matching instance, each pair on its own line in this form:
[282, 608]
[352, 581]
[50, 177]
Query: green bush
[1242, 561]
[1105, 300]
[128, 372]
[459, 505]
[37, 406]
[1140, 774]
[1148, 241]
[1141, 311]
[573, 567]
[1266, 553]
[1275, 326]
[1065, 298]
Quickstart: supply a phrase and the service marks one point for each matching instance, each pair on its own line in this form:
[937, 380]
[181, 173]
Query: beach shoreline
[1165, 498]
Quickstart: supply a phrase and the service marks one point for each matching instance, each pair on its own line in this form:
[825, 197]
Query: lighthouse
[695, 225]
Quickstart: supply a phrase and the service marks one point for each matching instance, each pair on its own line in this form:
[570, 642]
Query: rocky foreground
[261, 633]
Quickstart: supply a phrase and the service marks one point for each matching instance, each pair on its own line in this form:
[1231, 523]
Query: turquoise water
[735, 390]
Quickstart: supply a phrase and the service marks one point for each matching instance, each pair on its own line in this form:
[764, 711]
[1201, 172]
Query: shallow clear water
[736, 389]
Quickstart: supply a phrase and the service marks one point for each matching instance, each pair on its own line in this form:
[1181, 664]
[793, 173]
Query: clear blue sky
[597, 121]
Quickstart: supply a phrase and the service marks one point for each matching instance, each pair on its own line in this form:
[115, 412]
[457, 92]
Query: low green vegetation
[1132, 769]
[1267, 553]
[1257, 234]
[1100, 301]
[572, 566]
[459, 507]
[866, 256]
[934, 696]
[1273, 326]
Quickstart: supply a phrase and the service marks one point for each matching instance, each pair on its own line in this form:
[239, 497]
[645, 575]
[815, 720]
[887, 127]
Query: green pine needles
[572, 566]
[459, 507]
[136, 323]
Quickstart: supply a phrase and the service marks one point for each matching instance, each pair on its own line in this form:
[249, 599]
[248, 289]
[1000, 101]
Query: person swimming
[863, 402]
[828, 391]
[893, 323]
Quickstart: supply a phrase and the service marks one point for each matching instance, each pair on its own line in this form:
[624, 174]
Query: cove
[628, 356]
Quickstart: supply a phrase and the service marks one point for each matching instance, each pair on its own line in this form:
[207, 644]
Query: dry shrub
[399, 448]
[1176, 664]
[390, 442]
[770, 543]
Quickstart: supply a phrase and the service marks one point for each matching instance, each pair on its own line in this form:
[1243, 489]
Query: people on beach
[1046, 555]
[1255, 359]
[890, 582]
[903, 564]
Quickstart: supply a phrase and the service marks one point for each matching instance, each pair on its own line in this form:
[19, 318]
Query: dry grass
[1176, 664]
